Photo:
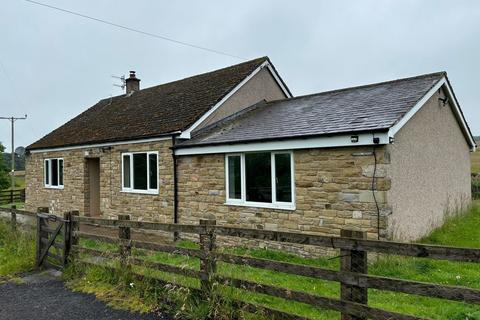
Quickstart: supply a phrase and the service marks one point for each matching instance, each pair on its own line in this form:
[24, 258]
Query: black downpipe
[175, 190]
[375, 141]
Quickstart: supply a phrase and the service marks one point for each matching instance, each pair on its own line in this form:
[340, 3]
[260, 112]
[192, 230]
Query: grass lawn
[20, 205]
[460, 231]
[17, 250]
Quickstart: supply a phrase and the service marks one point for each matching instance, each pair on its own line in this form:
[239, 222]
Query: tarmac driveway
[44, 297]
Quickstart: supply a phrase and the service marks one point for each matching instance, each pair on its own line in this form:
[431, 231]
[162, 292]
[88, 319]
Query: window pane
[126, 171]
[153, 170]
[60, 172]
[47, 171]
[258, 176]
[140, 171]
[54, 169]
[234, 179]
[283, 176]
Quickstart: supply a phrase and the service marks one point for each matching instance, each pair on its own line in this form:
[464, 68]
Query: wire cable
[146, 33]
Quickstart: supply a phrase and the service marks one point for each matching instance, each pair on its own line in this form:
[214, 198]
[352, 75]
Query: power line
[137, 30]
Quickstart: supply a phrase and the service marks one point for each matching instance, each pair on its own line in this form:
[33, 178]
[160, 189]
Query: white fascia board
[399, 125]
[343, 140]
[99, 145]
[187, 133]
[276, 76]
[456, 109]
[460, 117]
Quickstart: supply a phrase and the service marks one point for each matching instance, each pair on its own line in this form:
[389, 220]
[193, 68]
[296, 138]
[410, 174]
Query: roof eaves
[88, 144]
[304, 137]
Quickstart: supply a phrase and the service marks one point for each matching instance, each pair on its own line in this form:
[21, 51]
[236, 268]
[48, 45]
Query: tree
[4, 177]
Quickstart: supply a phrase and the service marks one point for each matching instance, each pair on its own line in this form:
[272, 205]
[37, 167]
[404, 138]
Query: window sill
[146, 192]
[53, 187]
[289, 207]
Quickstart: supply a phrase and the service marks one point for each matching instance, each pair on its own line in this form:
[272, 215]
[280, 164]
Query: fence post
[13, 218]
[11, 195]
[74, 238]
[124, 236]
[353, 261]
[208, 264]
[40, 223]
[67, 222]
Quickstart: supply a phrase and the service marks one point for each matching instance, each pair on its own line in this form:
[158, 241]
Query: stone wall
[333, 191]
[113, 201]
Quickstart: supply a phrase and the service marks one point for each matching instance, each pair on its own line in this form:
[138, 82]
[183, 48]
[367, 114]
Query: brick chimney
[132, 83]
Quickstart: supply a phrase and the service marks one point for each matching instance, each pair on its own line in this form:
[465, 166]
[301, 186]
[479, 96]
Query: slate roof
[374, 107]
[149, 112]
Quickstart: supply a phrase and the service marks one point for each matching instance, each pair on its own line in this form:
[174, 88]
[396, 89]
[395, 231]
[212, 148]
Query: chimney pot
[132, 84]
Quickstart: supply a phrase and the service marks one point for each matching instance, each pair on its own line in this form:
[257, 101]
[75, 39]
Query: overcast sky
[54, 65]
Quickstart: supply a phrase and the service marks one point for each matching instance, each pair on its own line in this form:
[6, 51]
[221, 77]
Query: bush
[4, 178]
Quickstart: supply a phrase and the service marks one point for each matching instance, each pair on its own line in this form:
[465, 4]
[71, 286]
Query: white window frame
[274, 204]
[131, 189]
[48, 162]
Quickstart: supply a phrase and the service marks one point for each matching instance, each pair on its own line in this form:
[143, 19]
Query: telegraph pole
[12, 122]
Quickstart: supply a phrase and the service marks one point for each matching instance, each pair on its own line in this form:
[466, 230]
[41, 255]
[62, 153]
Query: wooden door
[93, 167]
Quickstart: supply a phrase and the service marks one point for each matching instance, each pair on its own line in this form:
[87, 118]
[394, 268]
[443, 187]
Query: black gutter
[175, 189]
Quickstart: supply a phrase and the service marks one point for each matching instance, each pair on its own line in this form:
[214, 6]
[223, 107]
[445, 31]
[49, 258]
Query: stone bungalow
[391, 158]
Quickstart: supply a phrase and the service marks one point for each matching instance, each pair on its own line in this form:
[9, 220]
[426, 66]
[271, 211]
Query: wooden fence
[353, 275]
[12, 196]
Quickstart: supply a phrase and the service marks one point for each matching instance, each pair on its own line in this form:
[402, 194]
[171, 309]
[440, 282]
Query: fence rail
[352, 276]
[12, 196]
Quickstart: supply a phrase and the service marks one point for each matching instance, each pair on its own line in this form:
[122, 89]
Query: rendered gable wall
[259, 87]
[429, 171]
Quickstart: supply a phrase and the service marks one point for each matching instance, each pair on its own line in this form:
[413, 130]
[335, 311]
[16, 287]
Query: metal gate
[53, 240]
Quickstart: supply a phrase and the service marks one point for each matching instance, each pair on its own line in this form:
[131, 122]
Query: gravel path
[43, 297]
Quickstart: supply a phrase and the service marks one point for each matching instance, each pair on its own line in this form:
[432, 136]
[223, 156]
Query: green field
[475, 158]
[19, 182]
[460, 231]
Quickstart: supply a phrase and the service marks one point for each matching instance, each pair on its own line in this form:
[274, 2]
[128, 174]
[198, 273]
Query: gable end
[441, 84]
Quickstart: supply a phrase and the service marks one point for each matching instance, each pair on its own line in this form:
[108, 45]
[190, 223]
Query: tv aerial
[122, 80]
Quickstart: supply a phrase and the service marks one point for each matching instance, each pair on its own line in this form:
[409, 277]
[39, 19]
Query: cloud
[57, 65]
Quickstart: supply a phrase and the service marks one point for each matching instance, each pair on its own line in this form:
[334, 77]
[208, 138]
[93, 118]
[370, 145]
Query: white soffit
[343, 140]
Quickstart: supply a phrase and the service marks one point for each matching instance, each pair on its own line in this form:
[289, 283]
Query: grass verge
[145, 296]
[17, 250]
